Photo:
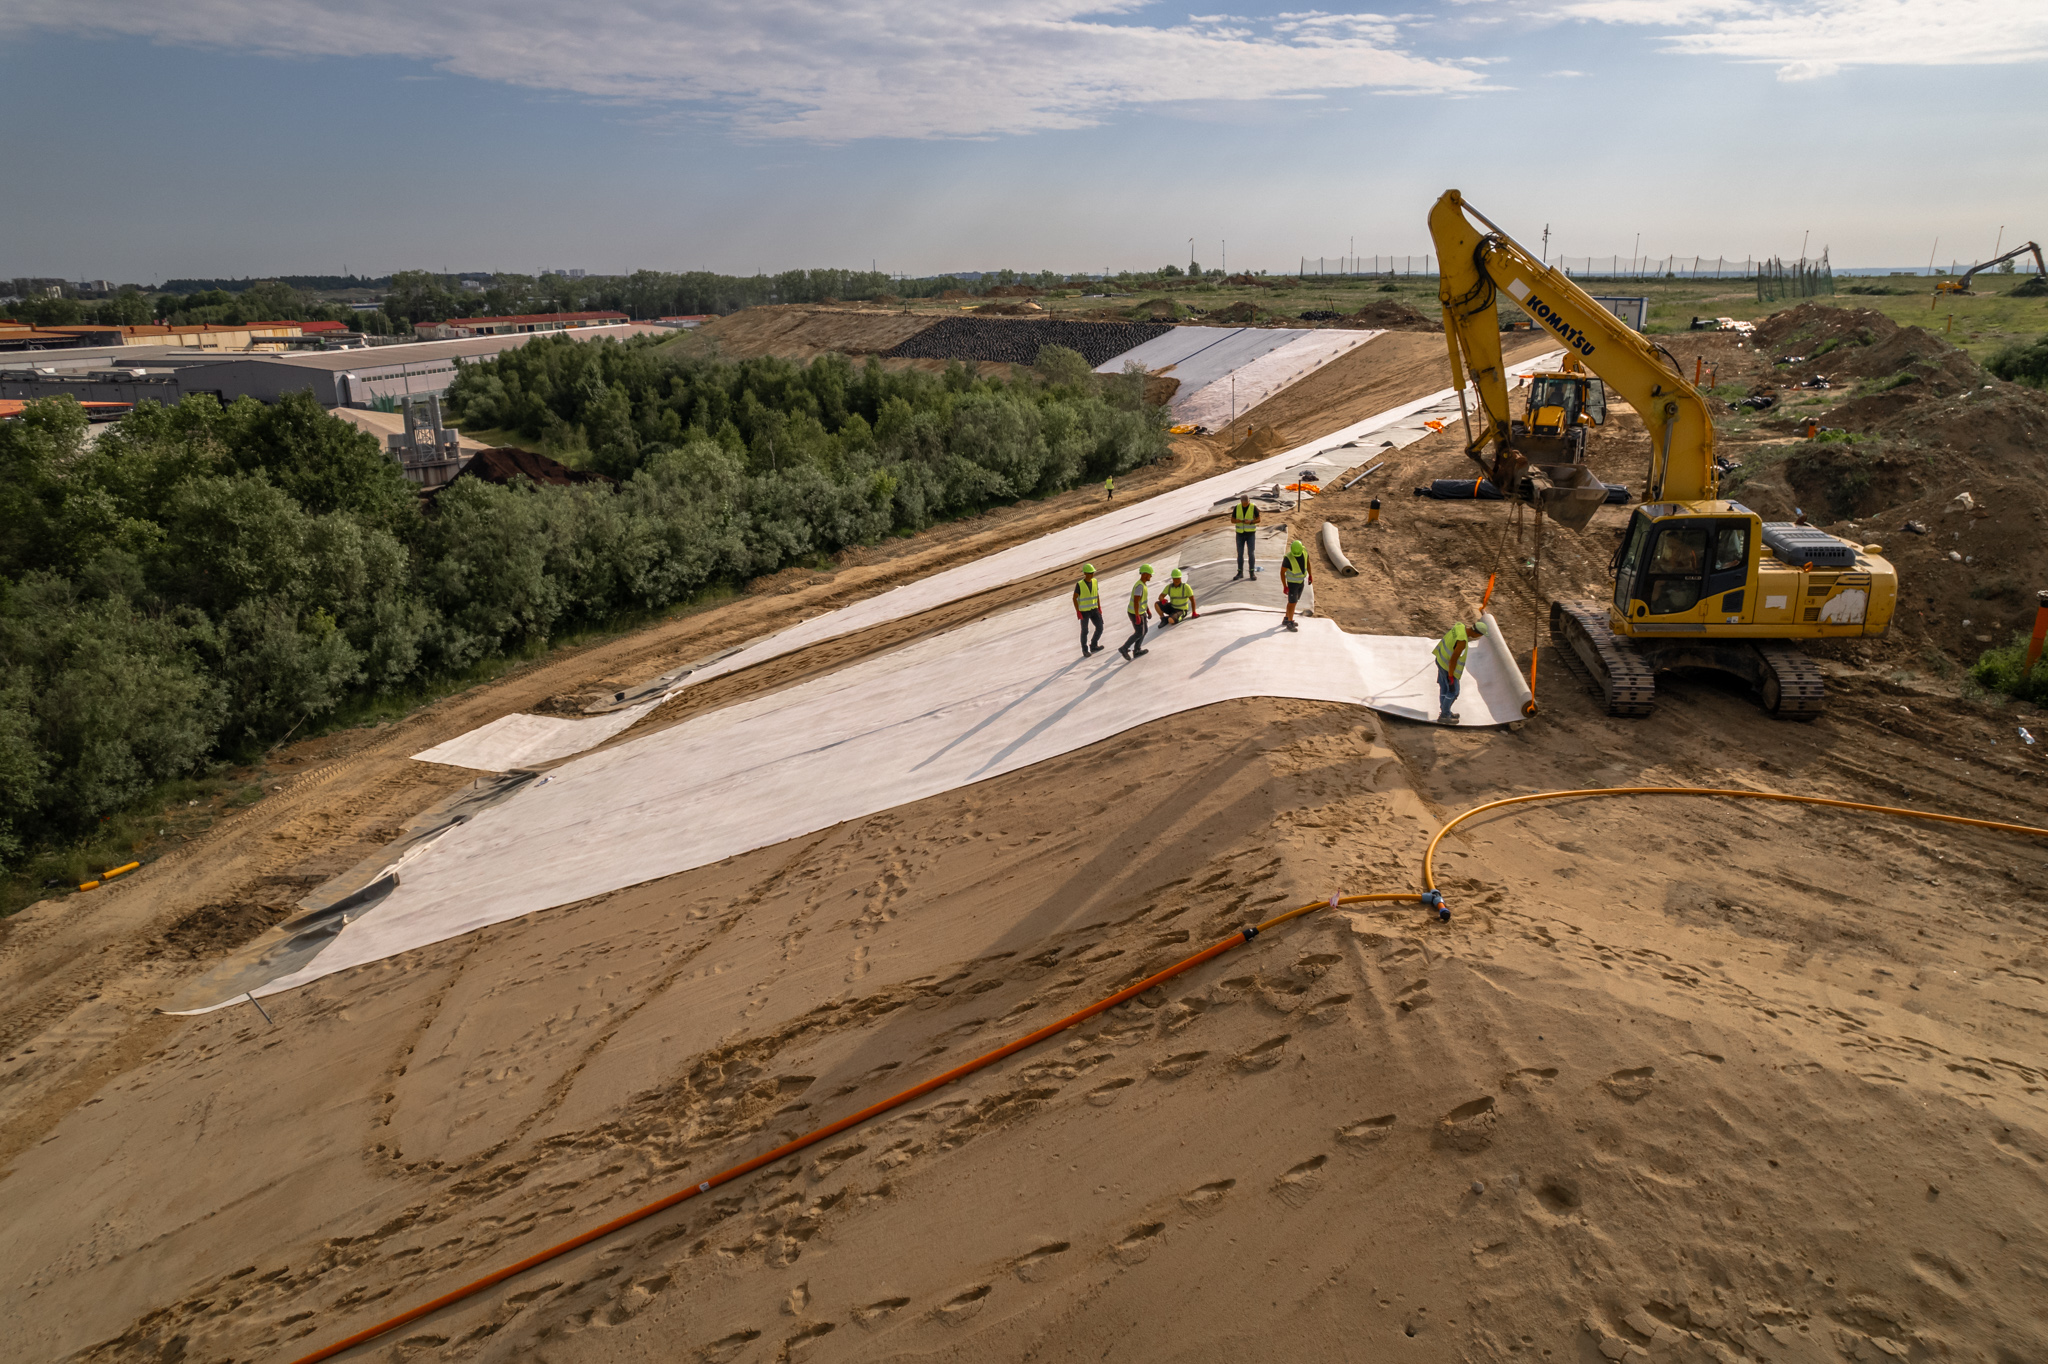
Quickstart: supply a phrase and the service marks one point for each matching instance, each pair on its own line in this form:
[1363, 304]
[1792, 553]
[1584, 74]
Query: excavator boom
[1477, 264]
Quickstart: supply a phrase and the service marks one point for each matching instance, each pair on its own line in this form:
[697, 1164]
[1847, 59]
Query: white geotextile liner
[936, 715]
[1096, 537]
[1197, 355]
[1250, 384]
[522, 740]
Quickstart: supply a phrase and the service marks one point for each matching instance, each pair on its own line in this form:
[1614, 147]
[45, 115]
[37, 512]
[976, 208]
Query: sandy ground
[1699, 1080]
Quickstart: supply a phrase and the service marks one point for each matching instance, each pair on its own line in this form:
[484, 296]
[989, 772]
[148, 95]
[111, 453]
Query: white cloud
[1567, 73]
[1814, 38]
[814, 69]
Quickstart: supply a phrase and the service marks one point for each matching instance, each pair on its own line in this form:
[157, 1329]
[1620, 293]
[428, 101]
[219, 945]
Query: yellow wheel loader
[1699, 582]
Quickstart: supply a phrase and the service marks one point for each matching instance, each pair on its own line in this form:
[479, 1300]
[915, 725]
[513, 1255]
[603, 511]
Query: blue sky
[253, 137]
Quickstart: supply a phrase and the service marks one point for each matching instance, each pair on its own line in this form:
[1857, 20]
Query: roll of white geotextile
[1333, 550]
[1499, 662]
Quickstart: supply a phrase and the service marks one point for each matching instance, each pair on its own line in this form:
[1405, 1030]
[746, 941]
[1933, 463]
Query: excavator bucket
[1572, 494]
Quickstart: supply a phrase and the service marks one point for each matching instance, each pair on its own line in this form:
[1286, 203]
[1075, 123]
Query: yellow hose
[1429, 855]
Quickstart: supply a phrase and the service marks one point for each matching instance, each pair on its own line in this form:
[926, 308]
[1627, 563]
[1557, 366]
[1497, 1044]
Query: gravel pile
[1018, 342]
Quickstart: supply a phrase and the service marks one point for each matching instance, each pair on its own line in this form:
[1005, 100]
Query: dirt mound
[1011, 291]
[2037, 287]
[1240, 314]
[1259, 442]
[1161, 309]
[1391, 314]
[1910, 424]
[802, 332]
[1018, 342]
[1010, 309]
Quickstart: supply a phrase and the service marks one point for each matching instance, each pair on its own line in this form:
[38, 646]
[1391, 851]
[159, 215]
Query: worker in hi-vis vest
[1295, 574]
[1244, 519]
[1451, 652]
[1088, 606]
[1177, 602]
[1140, 610]
[1109, 488]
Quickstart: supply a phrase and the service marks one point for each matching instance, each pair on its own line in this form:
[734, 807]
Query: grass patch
[1999, 671]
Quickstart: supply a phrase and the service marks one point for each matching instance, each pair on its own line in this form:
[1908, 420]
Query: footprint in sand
[1208, 1198]
[1469, 1126]
[964, 1305]
[794, 1343]
[727, 1347]
[831, 1160]
[1328, 1010]
[1299, 1184]
[1106, 1093]
[1138, 1243]
[1559, 1197]
[1528, 1078]
[1414, 996]
[1630, 1085]
[1036, 1265]
[1174, 1067]
[1264, 1056]
[869, 1313]
[1368, 1132]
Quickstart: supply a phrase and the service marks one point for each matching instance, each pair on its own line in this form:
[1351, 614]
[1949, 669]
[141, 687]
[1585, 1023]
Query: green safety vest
[1244, 518]
[1089, 595]
[1450, 656]
[1294, 568]
[1178, 593]
[1138, 604]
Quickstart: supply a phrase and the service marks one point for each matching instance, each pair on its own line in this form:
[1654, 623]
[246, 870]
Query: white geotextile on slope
[1098, 536]
[939, 714]
[1220, 402]
[521, 740]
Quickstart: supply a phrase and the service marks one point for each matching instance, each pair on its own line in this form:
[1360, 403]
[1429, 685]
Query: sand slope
[1732, 1083]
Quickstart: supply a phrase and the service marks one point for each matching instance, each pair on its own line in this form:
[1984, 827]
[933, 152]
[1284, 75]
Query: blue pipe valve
[1434, 899]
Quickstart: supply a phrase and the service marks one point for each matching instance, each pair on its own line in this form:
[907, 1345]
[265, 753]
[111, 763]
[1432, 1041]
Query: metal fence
[1801, 279]
[1579, 267]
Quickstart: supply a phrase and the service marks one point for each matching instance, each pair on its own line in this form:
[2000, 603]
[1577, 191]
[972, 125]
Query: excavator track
[1792, 687]
[1620, 676]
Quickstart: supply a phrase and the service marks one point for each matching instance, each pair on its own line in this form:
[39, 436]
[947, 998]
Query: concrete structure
[250, 336]
[524, 322]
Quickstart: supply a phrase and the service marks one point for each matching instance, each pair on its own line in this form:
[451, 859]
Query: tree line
[203, 580]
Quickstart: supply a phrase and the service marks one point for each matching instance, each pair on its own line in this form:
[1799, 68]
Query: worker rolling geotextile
[1177, 602]
[1088, 606]
[1140, 611]
[1451, 652]
[1295, 574]
[1244, 519]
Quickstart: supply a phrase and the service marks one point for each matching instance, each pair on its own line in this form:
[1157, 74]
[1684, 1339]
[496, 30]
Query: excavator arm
[2024, 248]
[1480, 265]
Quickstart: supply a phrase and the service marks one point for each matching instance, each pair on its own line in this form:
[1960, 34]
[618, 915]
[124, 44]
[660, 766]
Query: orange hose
[1429, 855]
[541, 1257]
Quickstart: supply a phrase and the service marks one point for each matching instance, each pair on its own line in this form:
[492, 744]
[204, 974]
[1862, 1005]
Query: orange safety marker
[121, 870]
[2040, 635]
[1489, 590]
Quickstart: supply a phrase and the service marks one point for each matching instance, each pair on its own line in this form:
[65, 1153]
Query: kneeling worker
[1177, 602]
[1088, 606]
[1451, 653]
[1140, 608]
[1295, 574]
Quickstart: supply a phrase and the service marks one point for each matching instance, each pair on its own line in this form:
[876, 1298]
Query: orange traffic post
[2040, 634]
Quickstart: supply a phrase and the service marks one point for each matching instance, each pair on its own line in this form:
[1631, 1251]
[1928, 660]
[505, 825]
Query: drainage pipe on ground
[1334, 551]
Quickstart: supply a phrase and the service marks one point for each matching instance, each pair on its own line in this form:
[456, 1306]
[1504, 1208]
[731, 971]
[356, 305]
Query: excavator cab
[1679, 569]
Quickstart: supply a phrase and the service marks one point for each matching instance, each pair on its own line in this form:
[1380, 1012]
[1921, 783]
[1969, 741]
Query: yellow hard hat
[1144, 570]
[1176, 575]
[1087, 569]
[1294, 547]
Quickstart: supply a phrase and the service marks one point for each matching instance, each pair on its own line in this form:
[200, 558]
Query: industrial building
[524, 322]
[360, 377]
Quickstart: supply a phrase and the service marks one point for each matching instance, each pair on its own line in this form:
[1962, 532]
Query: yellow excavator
[1699, 582]
[1962, 286]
